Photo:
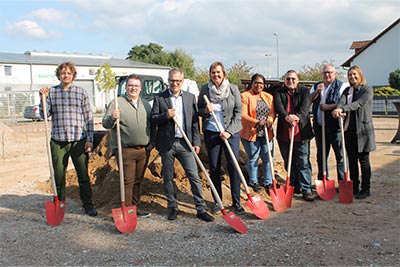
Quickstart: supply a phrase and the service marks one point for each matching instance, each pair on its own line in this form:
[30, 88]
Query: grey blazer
[232, 108]
[362, 106]
[164, 128]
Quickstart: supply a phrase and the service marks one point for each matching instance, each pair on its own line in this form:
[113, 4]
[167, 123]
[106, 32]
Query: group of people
[229, 115]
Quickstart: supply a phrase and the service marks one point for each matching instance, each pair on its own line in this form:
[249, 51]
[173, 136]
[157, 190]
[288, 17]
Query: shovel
[54, 210]
[325, 188]
[345, 186]
[256, 204]
[125, 219]
[277, 193]
[289, 189]
[231, 218]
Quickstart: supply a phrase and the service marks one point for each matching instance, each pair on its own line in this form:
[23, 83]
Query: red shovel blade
[233, 220]
[278, 197]
[325, 188]
[289, 191]
[258, 206]
[346, 191]
[125, 219]
[55, 212]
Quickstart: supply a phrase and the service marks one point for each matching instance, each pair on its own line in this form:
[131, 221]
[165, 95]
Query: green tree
[105, 78]
[201, 76]
[394, 79]
[153, 53]
[313, 73]
[183, 60]
[238, 72]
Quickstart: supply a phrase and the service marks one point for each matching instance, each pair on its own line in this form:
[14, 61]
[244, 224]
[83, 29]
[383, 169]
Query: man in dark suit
[169, 141]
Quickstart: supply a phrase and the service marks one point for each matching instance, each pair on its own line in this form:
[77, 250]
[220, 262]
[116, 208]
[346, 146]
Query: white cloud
[29, 29]
[309, 31]
[49, 15]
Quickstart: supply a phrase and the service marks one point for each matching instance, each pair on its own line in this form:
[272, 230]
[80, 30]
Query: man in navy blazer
[169, 141]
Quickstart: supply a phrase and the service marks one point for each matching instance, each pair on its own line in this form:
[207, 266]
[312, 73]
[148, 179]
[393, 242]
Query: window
[7, 70]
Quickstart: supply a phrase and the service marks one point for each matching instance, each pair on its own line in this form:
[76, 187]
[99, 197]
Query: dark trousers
[300, 174]
[334, 140]
[215, 145]
[354, 157]
[134, 164]
[60, 152]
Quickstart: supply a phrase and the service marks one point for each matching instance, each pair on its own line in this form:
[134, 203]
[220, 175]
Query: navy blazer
[164, 132]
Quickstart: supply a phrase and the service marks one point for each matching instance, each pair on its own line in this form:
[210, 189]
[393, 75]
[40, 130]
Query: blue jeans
[300, 174]
[215, 145]
[254, 150]
[333, 139]
[180, 151]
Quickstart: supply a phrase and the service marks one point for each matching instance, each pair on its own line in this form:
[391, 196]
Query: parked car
[32, 112]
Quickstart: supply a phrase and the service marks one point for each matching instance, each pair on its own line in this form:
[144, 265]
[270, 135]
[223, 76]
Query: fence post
[3, 143]
[386, 105]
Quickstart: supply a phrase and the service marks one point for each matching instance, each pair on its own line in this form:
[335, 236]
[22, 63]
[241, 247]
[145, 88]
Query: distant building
[22, 75]
[378, 57]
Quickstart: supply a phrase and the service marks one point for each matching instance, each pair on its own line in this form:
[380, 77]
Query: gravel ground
[322, 233]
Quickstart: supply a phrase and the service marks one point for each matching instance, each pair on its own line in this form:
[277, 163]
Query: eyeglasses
[290, 78]
[175, 81]
[133, 86]
[328, 72]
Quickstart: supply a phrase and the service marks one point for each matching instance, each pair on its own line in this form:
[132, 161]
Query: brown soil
[365, 233]
[104, 176]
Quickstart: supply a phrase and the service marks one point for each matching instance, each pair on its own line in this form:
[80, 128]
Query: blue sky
[309, 31]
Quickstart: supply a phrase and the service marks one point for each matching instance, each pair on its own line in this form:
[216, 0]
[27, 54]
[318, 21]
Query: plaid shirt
[72, 118]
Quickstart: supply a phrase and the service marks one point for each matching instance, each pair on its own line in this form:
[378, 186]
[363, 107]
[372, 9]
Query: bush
[394, 79]
[386, 91]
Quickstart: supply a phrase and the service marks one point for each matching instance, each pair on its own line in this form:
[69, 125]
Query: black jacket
[165, 128]
[302, 103]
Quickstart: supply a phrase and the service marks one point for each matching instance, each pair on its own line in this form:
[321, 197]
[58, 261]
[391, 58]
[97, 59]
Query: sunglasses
[290, 78]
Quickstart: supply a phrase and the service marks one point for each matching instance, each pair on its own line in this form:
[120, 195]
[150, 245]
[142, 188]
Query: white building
[22, 75]
[378, 57]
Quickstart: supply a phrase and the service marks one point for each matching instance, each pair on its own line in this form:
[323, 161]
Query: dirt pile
[104, 177]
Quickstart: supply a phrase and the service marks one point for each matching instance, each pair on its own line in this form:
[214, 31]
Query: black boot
[364, 193]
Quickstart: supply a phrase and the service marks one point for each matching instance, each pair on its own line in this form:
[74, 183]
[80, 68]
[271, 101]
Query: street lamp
[277, 55]
[268, 55]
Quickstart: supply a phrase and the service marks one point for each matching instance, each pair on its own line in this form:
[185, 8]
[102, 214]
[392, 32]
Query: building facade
[22, 75]
[378, 57]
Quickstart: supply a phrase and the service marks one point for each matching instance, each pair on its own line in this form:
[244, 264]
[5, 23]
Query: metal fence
[12, 103]
[383, 105]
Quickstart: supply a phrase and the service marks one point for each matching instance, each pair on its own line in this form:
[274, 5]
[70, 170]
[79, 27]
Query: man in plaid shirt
[71, 132]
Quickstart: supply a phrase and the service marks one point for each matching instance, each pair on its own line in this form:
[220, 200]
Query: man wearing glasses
[325, 95]
[292, 104]
[170, 143]
[134, 115]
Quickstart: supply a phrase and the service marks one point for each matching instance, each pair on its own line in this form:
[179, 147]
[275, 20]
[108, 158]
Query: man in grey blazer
[182, 105]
